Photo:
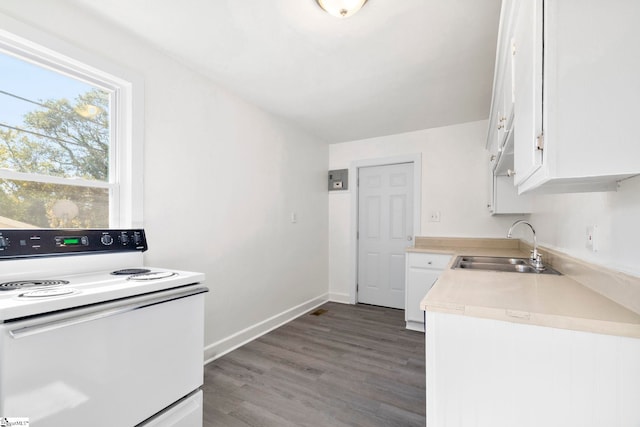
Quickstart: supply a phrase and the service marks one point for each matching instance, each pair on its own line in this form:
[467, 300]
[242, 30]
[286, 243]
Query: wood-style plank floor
[355, 365]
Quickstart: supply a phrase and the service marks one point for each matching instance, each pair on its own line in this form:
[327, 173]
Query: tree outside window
[55, 134]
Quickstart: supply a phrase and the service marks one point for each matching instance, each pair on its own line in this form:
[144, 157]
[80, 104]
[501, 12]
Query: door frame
[416, 159]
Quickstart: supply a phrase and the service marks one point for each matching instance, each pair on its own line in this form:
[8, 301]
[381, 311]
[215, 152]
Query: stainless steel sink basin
[513, 265]
[494, 260]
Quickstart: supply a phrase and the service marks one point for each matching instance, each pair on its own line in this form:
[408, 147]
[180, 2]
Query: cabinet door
[505, 45]
[527, 74]
[508, 95]
[422, 271]
[491, 194]
[502, 99]
[491, 373]
[419, 281]
[504, 197]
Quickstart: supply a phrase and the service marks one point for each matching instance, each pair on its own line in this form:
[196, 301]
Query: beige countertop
[538, 299]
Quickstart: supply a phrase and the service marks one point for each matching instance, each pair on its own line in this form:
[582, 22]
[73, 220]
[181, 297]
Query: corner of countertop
[621, 288]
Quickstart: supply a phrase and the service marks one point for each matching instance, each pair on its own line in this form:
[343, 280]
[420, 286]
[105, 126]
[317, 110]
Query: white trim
[230, 343]
[37, 46]
[130, 157]
[412, 325]
[416, 159]
[339, 297]
[49, 179]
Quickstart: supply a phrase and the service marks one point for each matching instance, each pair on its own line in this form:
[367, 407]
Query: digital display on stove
[71, 241]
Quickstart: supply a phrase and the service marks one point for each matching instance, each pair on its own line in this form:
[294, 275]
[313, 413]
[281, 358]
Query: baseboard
[415, 326]
[339, 297]
[226, 345]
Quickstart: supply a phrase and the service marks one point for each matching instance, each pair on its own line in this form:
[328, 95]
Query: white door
[385, 229]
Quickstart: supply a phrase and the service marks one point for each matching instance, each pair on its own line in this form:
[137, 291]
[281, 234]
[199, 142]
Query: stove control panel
[27, 243]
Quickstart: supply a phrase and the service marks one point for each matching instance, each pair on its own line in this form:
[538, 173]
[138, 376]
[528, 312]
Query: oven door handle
[107, 312]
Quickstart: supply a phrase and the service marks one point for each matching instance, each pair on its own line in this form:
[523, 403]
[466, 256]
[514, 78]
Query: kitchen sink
[507, 264]
[494, 260]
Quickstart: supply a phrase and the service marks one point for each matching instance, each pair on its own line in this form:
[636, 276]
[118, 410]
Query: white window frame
[127, 115]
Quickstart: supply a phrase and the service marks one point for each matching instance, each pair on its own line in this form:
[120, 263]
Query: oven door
[116, 363]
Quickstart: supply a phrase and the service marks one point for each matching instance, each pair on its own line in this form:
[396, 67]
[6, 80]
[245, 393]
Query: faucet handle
[536, 262]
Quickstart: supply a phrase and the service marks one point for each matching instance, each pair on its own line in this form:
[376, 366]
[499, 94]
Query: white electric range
[91, 336]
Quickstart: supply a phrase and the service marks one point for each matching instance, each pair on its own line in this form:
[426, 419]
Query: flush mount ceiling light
[341, 8]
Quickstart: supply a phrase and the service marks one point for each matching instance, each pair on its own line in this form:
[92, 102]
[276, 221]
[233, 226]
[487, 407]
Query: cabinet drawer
[425, 260]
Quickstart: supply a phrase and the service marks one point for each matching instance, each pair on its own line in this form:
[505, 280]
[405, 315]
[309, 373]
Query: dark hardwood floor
[354, 365]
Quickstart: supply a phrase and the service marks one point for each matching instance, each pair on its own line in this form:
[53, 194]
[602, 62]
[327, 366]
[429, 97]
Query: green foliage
[61, 139]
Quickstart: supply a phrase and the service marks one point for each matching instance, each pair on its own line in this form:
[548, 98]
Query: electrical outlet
[434, 216]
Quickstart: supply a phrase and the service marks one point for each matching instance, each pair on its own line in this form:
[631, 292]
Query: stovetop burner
[47, 293]
[127, 271]
[152, 275]
[22, 284]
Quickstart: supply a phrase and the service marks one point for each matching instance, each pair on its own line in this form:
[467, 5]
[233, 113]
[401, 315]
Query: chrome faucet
[535, 258]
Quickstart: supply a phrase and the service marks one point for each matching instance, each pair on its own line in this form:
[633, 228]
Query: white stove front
[84, 289]
[116, 363]
[102, 349]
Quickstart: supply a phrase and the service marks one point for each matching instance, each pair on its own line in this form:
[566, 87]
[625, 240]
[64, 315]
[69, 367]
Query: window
[67, 145]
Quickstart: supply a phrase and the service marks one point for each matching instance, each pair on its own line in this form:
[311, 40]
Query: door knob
[409, 238]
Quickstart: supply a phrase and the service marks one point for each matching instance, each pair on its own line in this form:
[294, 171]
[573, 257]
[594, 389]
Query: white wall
[220, 182]
[454, 182]
[561, 222]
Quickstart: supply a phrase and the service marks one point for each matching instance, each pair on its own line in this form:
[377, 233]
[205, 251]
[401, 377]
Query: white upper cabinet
[503, 196]
[527, 72]
[503, 96]
[577, 88]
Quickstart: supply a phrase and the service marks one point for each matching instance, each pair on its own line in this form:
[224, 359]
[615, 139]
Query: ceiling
[395, 66]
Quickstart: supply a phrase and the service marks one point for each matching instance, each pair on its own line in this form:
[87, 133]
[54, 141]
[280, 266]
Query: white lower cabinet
[490, 373]
[422, 271]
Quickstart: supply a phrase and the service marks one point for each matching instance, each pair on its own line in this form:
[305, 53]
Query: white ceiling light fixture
[341, 8]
